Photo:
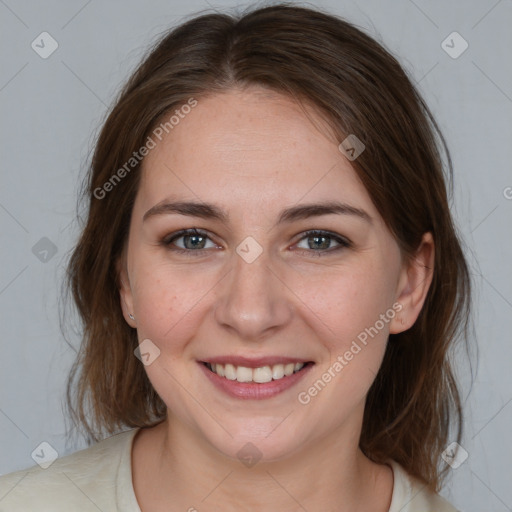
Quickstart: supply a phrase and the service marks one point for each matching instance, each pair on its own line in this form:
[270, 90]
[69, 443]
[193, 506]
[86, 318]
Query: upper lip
[254, 362]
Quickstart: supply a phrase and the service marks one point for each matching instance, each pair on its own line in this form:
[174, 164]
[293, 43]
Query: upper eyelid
[187, 232]
[167, 240]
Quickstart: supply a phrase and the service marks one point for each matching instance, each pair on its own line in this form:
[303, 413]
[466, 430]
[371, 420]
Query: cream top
[100, 478]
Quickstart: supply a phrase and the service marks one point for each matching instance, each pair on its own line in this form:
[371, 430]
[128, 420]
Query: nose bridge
[252, 298]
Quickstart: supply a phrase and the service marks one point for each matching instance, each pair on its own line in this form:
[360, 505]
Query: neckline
[125, 492]
[401, 488]
[127, 500]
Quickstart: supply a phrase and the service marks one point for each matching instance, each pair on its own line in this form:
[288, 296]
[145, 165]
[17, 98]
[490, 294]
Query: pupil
[194, 245]
[316, 239]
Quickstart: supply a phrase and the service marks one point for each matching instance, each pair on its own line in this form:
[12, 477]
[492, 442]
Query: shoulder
[410, 495]
[84, 480]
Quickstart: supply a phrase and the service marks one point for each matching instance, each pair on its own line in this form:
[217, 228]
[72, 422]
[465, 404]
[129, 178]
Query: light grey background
[51, 109]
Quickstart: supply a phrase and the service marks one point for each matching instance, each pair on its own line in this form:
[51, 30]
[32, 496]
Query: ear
[413, 285]
[125, 291]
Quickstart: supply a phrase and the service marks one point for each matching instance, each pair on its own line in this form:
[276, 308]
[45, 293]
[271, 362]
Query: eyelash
[168, 240]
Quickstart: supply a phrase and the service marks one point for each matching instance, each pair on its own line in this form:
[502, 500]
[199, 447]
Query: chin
[257, 442]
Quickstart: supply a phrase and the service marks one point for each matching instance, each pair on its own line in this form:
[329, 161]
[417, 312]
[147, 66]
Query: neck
[325, 474]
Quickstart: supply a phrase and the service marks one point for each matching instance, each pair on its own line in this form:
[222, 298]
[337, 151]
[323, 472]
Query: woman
[269, 280]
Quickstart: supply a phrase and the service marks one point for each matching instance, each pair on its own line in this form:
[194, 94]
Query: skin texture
[253, 153]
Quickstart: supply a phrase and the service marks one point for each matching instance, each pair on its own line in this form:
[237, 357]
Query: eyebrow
[294, 213]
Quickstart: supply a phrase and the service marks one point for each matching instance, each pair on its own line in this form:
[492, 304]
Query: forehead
[256, 149]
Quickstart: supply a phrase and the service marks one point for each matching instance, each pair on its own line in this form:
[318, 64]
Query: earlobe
[125, 293]
[413, 285]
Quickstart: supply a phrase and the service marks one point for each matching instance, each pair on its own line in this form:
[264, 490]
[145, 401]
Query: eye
[192, 240]
[319, 241]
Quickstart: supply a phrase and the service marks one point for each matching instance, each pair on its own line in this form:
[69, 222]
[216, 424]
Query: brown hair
[361, 89]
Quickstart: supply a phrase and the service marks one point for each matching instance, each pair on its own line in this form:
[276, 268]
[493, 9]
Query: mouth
[254, 379]
[259, 375]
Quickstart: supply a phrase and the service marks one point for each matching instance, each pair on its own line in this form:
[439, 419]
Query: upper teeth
[259, 375]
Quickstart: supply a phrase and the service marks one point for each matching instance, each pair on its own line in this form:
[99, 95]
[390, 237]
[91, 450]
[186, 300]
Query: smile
[254, 379]
[259, 375]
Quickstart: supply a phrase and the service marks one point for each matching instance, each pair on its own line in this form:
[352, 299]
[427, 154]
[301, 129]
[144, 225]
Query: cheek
[347, 302]
[170, 305]
[351, 312]
[171, 302]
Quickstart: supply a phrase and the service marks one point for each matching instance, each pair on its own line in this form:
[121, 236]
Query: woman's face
[251, 289]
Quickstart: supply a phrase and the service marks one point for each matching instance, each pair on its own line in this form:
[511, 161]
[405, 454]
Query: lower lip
[253, 390]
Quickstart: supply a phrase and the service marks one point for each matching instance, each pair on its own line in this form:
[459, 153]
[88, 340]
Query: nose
[253, 300]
